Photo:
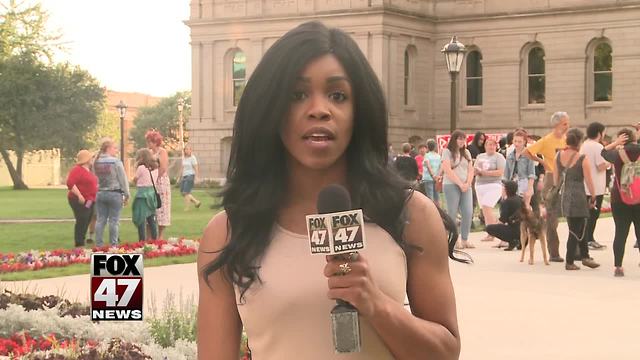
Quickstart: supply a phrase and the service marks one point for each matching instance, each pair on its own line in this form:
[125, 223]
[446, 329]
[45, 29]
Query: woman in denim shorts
[189, 173]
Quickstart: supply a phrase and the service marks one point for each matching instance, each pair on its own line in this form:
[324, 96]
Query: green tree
[44, 106]
[108, 125]
[23, 31]
[163, 117]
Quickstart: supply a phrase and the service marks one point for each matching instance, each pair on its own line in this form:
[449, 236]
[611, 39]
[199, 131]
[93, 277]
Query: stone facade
[503, 31]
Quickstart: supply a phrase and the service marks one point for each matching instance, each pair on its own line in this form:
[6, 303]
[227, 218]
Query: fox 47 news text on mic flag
[336, 233]
[116, 287]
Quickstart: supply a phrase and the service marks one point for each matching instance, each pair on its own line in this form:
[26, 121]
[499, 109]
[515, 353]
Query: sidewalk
[506, 309]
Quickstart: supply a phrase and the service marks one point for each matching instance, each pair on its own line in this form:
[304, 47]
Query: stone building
[525, 60]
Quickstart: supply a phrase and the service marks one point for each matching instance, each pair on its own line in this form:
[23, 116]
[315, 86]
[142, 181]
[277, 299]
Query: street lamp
[453, 56]
[122, 111]
[180, 108]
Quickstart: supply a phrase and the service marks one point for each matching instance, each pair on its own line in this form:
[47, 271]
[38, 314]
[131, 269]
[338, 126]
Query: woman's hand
[621, 139]
[356, 285]
[464, 187]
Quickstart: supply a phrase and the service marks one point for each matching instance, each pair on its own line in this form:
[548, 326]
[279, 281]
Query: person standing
[548, 146]
[489, 169]
[432, 171]
[163, 214]
[188, 175]
[572, 169]
[458, 177]
[592, 148]
[406, 165]
[623, 213]
[145, 204]
[520, 168]
[83, 187]
[477, 144]
[113, 191]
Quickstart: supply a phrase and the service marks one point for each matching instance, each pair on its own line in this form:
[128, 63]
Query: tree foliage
[23, 31]
[42, 105]
[163, 117]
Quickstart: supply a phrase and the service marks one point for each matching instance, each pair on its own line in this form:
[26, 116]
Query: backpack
[629, 182]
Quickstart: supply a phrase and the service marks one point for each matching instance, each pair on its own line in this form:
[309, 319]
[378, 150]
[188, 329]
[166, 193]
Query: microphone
[338, 230]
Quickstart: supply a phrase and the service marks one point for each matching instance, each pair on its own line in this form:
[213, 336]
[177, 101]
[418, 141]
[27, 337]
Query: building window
[474, 78]
[602, 73]
[536, 76]
[406, 77]
[409, 75]
[239, 75]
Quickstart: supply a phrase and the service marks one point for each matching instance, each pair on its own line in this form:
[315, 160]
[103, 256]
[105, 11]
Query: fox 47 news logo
[116, 287]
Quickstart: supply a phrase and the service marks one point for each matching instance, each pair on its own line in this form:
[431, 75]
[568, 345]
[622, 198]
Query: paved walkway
[507, 309]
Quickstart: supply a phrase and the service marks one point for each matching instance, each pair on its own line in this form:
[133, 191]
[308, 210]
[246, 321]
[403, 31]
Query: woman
[83, 186]
[328, 126]
[154, 143]
[188, 175]
[113, 191]
[572, 174]
[478, 144]
[432, 171]
[520, 168]
[489, 168]
[458, 176]
[508, 230]
[623, 214]
[144, 204]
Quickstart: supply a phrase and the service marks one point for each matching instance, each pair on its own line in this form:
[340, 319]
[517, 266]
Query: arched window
[602, 73]
[536, 76]
[474, 78]
[409, 60]
[239, 75]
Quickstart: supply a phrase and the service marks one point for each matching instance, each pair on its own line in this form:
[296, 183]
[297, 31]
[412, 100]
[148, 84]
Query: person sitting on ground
[508, 229]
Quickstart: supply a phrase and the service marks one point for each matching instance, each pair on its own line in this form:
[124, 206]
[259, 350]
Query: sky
[128, 45]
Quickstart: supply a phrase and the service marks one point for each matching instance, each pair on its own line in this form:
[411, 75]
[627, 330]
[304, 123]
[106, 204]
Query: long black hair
[452, 145]
[257, 173]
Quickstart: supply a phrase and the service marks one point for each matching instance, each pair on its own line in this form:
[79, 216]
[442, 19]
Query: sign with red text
[116, 287]
[443, 140]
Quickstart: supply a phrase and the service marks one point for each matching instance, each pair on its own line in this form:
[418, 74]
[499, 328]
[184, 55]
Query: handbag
[158, 198]
[552, 199]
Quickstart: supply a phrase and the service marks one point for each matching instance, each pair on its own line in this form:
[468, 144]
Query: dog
[532, 228]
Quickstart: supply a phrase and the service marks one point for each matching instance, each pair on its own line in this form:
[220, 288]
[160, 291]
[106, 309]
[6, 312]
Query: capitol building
[525, 60]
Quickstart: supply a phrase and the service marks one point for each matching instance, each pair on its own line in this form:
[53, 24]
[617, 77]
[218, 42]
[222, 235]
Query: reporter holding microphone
[313, 114]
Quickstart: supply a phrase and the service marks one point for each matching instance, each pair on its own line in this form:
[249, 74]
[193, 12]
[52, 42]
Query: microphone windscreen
[333, 198]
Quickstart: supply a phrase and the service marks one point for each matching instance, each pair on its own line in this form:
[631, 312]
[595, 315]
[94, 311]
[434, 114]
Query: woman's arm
[163, 156]
[430, 331]
[470, 175]
[429, 169]
[586, 172]
[219, 324]
[556, 175]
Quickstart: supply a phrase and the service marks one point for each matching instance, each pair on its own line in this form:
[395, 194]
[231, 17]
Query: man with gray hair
[548, 146]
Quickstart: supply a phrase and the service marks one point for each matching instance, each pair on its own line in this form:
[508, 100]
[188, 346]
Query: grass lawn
[52, 203]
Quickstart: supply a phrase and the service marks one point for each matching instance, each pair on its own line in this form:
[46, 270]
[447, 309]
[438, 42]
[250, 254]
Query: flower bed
[36, 260]
[55, 333]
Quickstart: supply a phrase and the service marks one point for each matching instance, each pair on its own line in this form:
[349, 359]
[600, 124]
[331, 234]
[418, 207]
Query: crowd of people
[562, 174]
[99, 189]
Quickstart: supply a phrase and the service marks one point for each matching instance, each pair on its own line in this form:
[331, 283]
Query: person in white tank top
[313, 114]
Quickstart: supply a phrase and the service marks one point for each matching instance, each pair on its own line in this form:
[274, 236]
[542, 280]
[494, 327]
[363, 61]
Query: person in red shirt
[83, 186]
[422, 149]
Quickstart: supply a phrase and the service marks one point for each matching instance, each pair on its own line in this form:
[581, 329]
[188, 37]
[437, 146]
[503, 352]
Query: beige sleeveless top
[288, 315]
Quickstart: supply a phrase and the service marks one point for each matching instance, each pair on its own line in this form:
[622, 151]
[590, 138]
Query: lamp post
[122, 111]
[453, 56]
[180, 122]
